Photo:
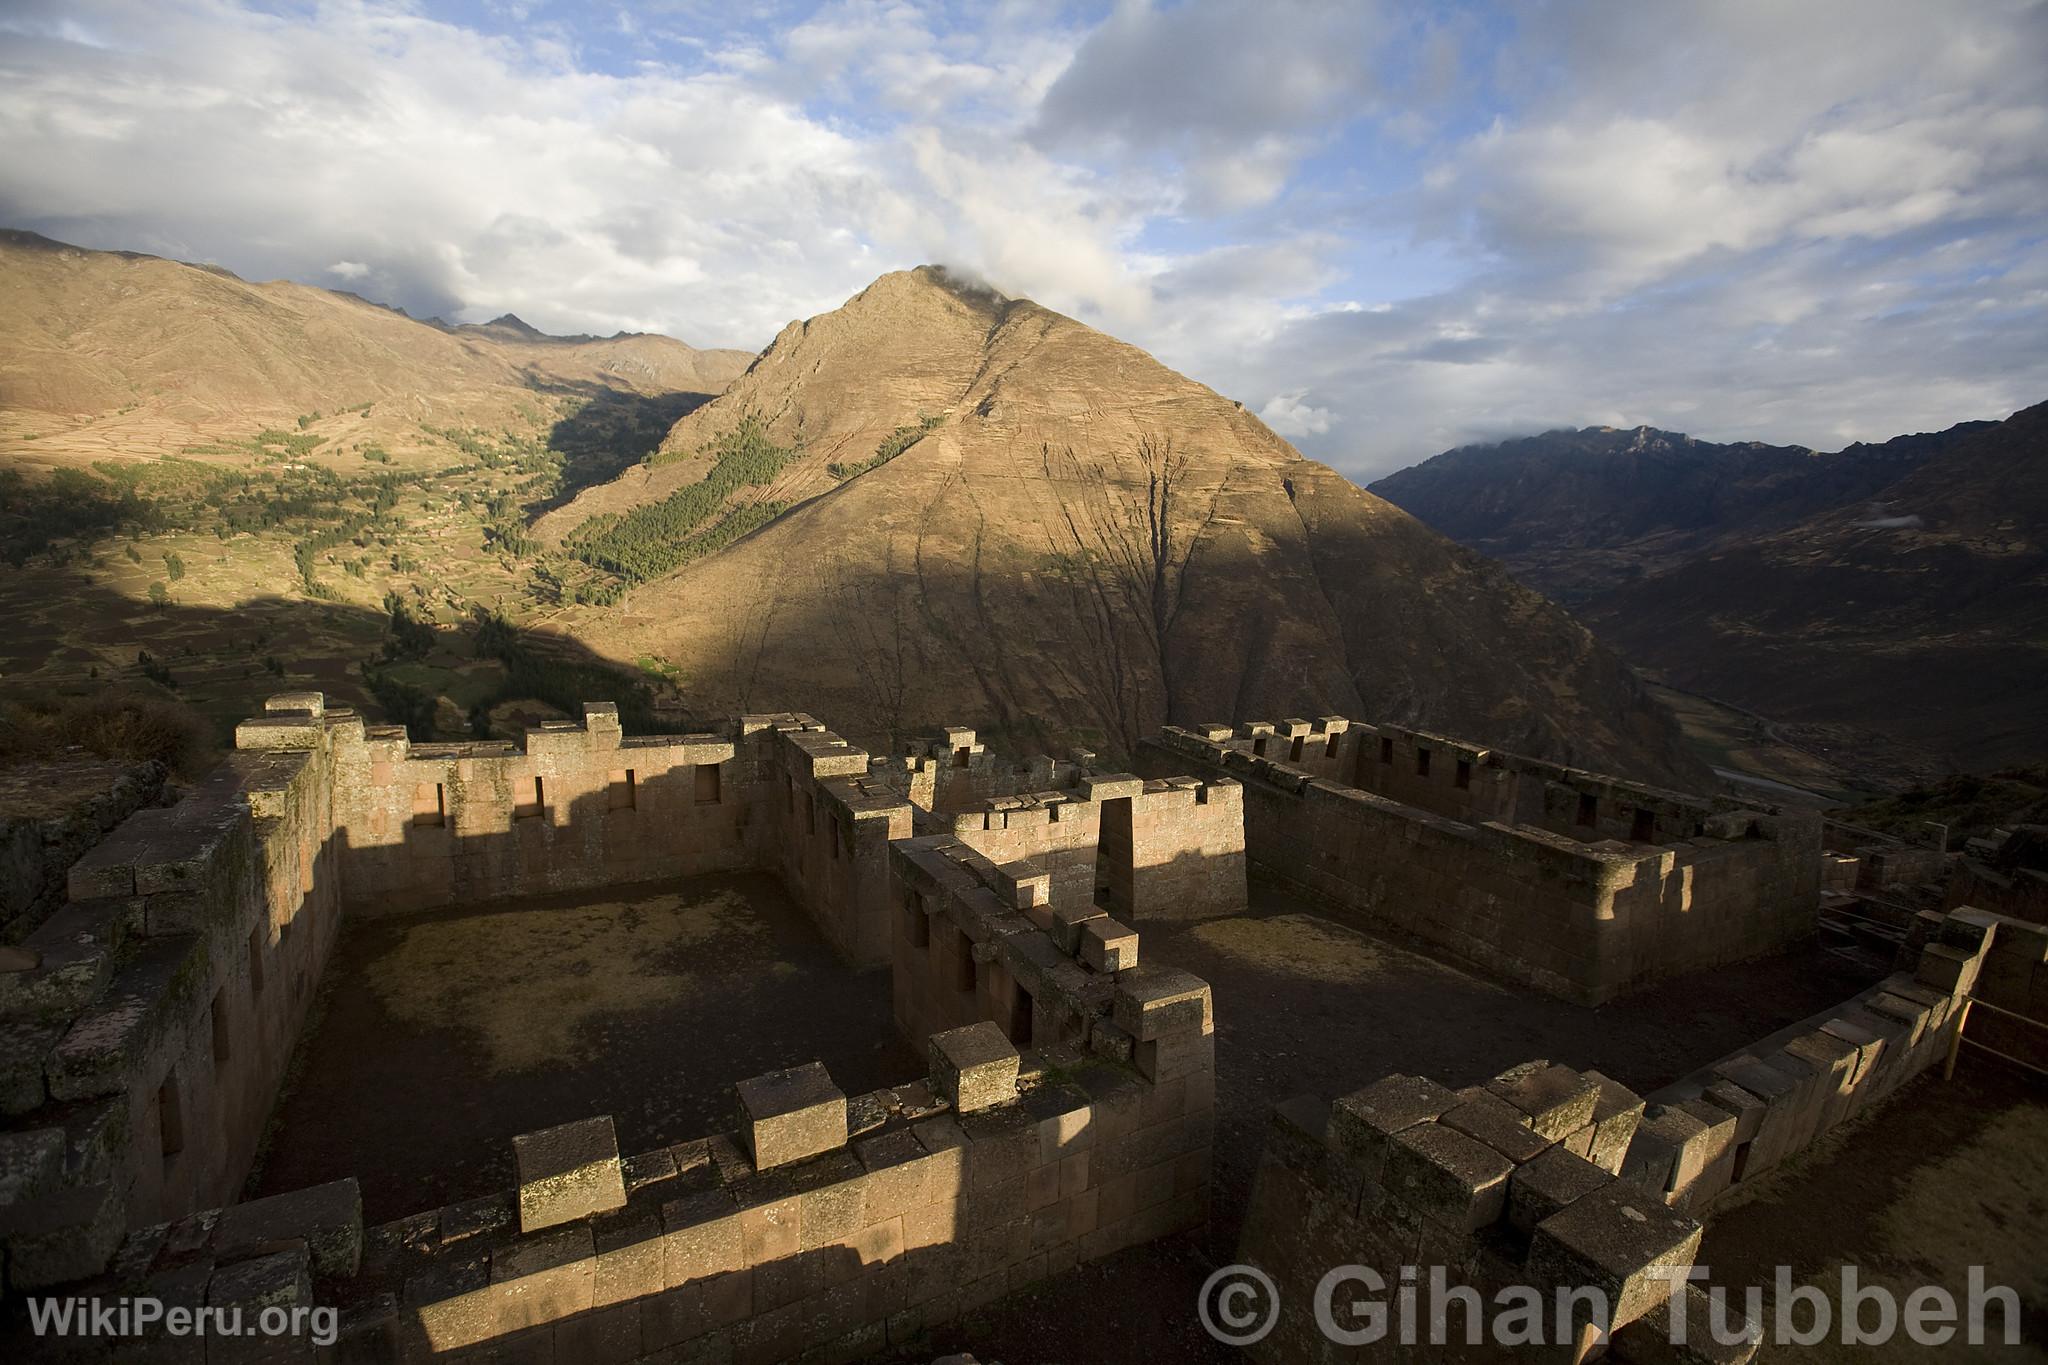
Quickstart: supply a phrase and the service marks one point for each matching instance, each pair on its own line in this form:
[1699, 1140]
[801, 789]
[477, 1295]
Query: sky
[1389, 228]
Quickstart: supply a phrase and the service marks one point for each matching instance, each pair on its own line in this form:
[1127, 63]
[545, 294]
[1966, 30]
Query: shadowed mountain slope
[995, 513]
[1574, 513]
[1917, 617]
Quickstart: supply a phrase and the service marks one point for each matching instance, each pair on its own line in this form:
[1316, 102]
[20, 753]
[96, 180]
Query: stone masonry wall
[1582, 919]
[143, 1044]
[1745, 1114]
[50, 814]
[1509, 1187]
[825, 826]
[826, 1227]
[574, 806]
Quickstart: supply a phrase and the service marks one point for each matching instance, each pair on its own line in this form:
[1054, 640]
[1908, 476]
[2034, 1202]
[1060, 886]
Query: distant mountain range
[1895, 595]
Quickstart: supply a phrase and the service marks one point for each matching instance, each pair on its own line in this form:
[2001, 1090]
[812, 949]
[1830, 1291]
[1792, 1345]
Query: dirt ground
[1944, 1177]
[442, 1036]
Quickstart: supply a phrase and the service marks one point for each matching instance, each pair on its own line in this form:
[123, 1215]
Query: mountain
[938, 504]
[1917, 616]
[117, 353]
[1887, 603]
[1575, 513]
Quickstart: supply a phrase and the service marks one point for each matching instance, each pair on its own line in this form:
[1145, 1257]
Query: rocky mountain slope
[1575, 513]
[1887, 604]
[1917, 618]
[986, 512]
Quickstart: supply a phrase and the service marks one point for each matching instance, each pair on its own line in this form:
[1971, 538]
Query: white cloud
[1291, 415]
[1388, 227]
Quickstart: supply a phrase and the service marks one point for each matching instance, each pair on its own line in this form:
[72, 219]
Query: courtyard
[438, 1037]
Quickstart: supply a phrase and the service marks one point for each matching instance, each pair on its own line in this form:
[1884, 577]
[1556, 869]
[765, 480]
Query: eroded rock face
[1080, 544]
[51, 812]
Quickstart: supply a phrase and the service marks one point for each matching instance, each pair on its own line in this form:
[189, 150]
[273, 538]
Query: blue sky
[1389, 227]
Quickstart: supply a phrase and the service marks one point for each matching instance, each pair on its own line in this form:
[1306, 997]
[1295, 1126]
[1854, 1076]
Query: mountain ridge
[989, 567]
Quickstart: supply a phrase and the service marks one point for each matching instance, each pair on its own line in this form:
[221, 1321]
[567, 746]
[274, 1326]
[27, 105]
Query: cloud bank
[1389, 228]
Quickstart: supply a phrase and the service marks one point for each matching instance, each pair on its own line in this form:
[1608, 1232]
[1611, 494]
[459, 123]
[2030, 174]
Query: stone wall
[573, 806]
[824, 1227]
[1583, 918]
[51, 812]
[825, 825]
[146, 1037]
[1509, 1188]
[1747, 1113]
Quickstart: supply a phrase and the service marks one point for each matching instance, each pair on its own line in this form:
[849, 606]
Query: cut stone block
[1363, 1122]
[1616, 1114]
[327, 1218]
[1108, 945]
[1556, 1099]
[1553, 1181]
[1151, 1002]
[282, 1279]
[1444, 1175]
[1650, 1339]
[66, 1235]
[1611, 1240]
[1496, 1123]
[568, 1172]
[789, 1115]
[31, 1162]
[974, 1067]
[1067, 921]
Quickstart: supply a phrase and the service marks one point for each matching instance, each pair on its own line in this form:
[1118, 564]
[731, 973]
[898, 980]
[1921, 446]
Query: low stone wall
[1507, 1189]
[1585, 920]
[1749, 1112]
[50, 814]
[825, 1227]
[141, 1045]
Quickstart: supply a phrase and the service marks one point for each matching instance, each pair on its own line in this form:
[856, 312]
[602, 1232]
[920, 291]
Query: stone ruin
[1067, 1106]
[1582, 885]
[145, 1030]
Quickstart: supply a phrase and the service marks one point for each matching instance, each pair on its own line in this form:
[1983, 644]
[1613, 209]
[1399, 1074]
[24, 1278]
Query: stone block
[1107, 945]
[1446, 1176]
[789, 1115]
[282, 1279]
[543, 1279]
[1556, 1099]
[1550, 1182]
[1364, 1122]
[1067, 922]
[1151, 1002]
[327, 1218]
[702, 1235]
[68, 1234]
[31, 1163]
[1655, 1338]
[974, 1067]
[568, 1172]
[1611, 1240]
[1496, 1123]
[1175, 1056]
[1615, 1115]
